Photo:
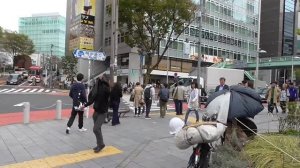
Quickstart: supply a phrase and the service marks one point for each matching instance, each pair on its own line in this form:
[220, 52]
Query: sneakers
[147, 118]
[68, 130]
[82, 129]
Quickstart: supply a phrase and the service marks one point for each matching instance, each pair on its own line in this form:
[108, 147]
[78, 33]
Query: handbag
[142, 102]
[131, 98]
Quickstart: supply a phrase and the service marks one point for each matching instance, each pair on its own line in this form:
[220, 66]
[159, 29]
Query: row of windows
[246, 15]
[44, 22]
[222, 39]
[208, 50]
[224, 25]
[121, 39]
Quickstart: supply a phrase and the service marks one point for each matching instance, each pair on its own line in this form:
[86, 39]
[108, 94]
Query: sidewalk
[135, 143]
[144, 143]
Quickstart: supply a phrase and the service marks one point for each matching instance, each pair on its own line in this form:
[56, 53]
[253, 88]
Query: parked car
[14, 79]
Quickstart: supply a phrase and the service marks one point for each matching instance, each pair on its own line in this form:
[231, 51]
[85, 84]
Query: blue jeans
[178, 106]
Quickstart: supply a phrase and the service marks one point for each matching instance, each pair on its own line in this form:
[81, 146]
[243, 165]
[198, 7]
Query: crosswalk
[24, 90]
[154, 106]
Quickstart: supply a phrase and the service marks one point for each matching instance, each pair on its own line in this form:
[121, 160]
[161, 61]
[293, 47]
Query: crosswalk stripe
[47, 91]
[3, 90]
[26, 90]
[33, 90]
[40, 90]
[18, 90]
[9, 91]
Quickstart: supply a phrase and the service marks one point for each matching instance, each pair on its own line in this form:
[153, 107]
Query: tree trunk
[147, 77]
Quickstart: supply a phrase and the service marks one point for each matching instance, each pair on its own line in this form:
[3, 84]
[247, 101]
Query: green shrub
[226, 157]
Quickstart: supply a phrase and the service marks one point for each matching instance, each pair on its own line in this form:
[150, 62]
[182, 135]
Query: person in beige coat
[138, 92]
[178, 96]
[272, 97]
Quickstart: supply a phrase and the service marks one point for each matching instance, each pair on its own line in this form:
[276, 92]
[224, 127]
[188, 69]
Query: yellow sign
[86, 43]
[82, 43]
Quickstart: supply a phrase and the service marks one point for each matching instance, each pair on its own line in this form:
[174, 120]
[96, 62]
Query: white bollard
[26, 113]
[58, 109]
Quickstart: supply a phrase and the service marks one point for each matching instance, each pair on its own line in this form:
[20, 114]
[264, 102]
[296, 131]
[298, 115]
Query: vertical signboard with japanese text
[82, 21]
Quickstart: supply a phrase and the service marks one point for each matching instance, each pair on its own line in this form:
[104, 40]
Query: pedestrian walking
[193, 103]
[138, 99]
[272, 97]
[149, 96]
[178, 96]
[99, 95]
[163, 99]
[78, 94]
[115, 97]
[202, 95]
[284, 94]
[293, 93]
[222, 85]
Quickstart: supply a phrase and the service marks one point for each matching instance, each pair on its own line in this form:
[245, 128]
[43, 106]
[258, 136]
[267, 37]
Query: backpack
[164, 95]
[147, 93]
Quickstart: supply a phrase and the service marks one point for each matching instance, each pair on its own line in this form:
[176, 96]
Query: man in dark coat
[78, 94]
[99, 95]
[222, 85]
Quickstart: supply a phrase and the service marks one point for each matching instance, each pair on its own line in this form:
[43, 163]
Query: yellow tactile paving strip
[65, 159]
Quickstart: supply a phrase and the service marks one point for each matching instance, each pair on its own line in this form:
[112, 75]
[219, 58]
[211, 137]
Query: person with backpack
[149, 95]
[284, 94]
[78, 94]
[163, 99]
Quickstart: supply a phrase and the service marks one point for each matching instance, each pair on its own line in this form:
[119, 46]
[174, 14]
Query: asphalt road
[37, 101]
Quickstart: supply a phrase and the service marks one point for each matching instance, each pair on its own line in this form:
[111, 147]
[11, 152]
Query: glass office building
[229, 30]
[45, 30]
[288, 27]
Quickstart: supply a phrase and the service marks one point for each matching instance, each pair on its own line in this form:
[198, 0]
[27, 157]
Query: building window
[107, 41]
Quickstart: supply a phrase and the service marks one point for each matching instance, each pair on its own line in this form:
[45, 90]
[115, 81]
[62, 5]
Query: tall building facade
[47, 31]
[84, 30]
[229, 31]
[278, 23]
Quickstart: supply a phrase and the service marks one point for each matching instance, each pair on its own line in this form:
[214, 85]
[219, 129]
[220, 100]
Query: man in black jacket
[78, 94]
[222, 85]
[99, 95]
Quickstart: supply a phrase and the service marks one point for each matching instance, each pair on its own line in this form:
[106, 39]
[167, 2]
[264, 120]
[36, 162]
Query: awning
[170, 73]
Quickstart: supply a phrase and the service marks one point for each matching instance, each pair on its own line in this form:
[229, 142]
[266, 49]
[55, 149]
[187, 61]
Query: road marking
[33, 90]
[40, 90]
[23, 83]
[3, 90]
[66, 159]
[25, 90]
[47, 91]
[18, 90]
[9, 91]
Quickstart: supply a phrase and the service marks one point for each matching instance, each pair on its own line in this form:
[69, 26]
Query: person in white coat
[193, 102]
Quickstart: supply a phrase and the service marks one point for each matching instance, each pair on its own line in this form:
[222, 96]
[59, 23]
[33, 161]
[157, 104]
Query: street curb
[61, 91]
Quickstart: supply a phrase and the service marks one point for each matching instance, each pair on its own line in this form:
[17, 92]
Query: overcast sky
[11, 10]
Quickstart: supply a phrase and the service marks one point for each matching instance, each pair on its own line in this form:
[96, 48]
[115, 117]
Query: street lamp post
[201, 7]
[257, 64]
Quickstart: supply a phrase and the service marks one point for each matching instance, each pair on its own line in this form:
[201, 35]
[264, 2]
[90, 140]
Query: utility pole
[114, 40]
[201, 8]
[51, 69]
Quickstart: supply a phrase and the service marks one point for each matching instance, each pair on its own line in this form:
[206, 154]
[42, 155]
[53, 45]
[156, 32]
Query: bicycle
[200, 157]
